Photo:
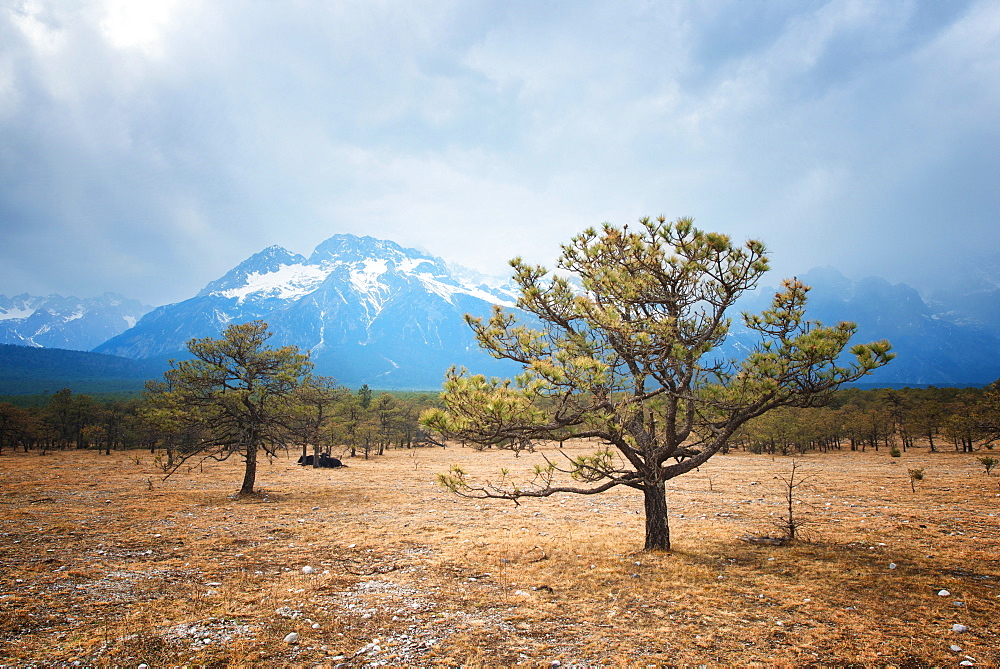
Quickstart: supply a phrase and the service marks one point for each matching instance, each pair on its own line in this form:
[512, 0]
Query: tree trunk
[657, 526]
[251, 471]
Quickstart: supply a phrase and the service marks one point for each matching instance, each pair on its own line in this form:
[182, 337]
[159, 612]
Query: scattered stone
[315, 626]
[966, 663]
[943, 593]
[892, 565]
[293, 637]
[765, 541]
[958, 627]
[955, 649]
[307, 570]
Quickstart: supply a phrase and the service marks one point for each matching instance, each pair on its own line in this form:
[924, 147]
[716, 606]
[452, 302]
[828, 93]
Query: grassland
[106, 563]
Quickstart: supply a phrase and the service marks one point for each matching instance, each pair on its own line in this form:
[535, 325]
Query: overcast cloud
[146, 148]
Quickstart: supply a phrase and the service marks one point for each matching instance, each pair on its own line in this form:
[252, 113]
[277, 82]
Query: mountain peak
[271, 258]
[248, 273]
[351, 248]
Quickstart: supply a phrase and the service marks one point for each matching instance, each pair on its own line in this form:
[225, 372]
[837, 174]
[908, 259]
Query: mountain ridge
[372, 311]
[69, 322]
[368, 311]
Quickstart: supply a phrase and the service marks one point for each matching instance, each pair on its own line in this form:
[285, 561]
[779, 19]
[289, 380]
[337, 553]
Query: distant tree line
[321, 417]
[961, 419]
[363, 423]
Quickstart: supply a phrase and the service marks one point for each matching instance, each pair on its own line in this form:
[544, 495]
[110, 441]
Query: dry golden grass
[105, 563]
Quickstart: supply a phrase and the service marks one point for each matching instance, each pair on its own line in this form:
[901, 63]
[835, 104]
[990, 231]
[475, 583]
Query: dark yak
[325, 461]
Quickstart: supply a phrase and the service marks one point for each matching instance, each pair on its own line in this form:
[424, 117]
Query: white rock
[958, 627]
[892, 565]
[315, 626]
[307, 570]
[943, 593]
[966, 663]
[143, 666]
[292, 638]
[955, 649]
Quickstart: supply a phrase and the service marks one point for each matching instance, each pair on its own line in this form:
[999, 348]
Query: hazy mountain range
[66, 322]
[371, 311]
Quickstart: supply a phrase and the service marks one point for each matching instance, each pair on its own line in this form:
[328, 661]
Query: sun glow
[138, 25]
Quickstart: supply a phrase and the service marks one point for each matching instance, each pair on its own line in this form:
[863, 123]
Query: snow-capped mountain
[368, 310]
[66, 322]
[371, 311]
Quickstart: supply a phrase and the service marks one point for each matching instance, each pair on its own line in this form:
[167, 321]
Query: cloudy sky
[146, 148]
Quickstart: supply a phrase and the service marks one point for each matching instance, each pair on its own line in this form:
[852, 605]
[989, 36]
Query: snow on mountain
[371, 311]
[19, 308]
[278, 274]
[368, 310]
[285, 283]
[66, 322]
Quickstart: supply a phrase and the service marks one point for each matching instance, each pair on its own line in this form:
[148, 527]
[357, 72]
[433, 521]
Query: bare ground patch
[104, 563]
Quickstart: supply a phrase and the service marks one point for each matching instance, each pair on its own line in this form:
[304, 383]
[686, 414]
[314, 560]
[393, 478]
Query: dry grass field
[104, 563]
